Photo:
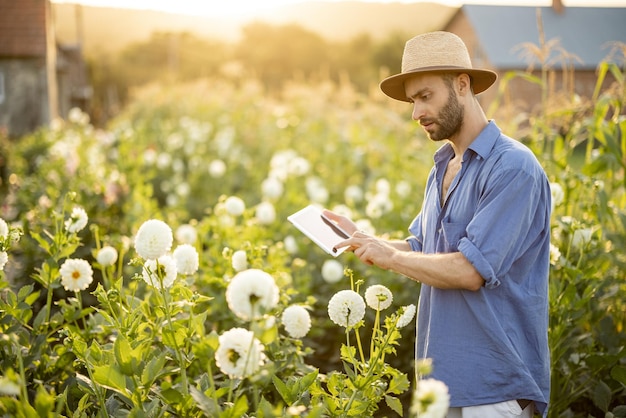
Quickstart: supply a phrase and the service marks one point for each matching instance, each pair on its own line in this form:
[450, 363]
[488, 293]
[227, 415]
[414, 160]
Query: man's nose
[418, 111]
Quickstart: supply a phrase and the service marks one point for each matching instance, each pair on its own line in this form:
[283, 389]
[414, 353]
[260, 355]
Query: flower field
[148, 269]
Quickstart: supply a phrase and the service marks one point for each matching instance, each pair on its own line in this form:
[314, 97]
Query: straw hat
[438, 52]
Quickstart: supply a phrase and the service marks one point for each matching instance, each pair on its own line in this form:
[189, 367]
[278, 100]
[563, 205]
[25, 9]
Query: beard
[449, 120]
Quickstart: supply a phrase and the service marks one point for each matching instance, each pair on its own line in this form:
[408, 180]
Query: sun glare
[248, 8]
[215, 8]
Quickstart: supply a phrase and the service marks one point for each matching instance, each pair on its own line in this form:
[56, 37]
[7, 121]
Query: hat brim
[393, 86]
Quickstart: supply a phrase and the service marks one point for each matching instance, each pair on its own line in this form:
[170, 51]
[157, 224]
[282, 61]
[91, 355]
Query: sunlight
[247, 8]
[219, 8]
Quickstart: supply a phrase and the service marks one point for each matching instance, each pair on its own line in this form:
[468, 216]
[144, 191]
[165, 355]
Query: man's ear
[464, 84]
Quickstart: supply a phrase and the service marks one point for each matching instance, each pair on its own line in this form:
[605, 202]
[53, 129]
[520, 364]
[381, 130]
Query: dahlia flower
[4, 257]
[239, 354]
[234, 206]
[107, 256]
[187, 260]
[164, 268]
[4, 229]
[296, 320]
[217, 168]
[154, 239]
[332, 271]
[186, 234]
[76, 274]
[265, 213]
[430, 399]
[407, 316]
[77, 220]
[250, 293]
[239, 260]
[346, 308]
[378, 297]
[272, 188]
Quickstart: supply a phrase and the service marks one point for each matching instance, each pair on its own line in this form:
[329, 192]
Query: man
[480, 244]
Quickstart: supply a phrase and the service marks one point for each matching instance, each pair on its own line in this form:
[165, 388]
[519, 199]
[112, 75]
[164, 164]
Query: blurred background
[93, 54]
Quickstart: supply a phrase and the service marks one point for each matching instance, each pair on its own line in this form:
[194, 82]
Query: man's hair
[448, 79]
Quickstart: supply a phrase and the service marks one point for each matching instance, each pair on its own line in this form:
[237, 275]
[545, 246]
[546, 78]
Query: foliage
[582, 145]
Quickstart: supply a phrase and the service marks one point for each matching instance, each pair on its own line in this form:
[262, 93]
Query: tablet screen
[321, 230]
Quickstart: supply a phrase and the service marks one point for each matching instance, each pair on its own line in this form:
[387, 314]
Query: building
[568, 42]
[39, 80]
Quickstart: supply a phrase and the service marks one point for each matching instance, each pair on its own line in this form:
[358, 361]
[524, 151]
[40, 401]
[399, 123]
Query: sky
[235, 7]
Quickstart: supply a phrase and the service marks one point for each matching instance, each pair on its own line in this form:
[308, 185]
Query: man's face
[435, 105]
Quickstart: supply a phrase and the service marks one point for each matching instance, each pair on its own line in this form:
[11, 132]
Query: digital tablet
[321, 230]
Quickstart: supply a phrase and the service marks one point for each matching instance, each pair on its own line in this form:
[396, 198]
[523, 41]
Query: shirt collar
[482, 144]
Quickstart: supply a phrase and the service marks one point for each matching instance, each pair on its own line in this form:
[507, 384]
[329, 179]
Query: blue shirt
[490, 345]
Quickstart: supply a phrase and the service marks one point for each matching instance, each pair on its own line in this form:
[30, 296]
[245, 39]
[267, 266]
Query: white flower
[581, 237]
[407, 316]
[291, 245]
[251, 293]
[378, 297]
[557, 194]
[296, 320]
[8, 388]
[272, 188]
[315, 190]
[430, 399]
[77, 220]
[378, 205]
[353, 194]
[332, 271]
[4, 229]
[162, 269]
[217, 168]
[403, 188]
[383, 187]
[153, 239]
[239, 260]
[107, 256]
[187, 260]
[186, 234]
[76, 115]
[265, 213]
[555, 254]
[76, 274]
[234, 206]
[4, 257]
[239, 354]
[346, 308]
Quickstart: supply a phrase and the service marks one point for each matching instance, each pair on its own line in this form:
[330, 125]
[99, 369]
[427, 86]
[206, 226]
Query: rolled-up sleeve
[480, 263]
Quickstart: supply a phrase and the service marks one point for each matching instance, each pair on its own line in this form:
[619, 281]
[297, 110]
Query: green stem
[23, 390]
[179, 355]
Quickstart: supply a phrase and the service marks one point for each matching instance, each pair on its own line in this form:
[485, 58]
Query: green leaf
[110, 377]
[24, 292]
[124, 355]
[283, 390]
[44, 402]
[394, 403]
[206, 404]
[177, 338]
[239, 408]
[602, 396]
[619, 373]
[399, 384]
[306, 381]
[152, 370]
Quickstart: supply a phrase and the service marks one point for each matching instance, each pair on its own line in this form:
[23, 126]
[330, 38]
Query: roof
[586, 32]
[22, 28]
